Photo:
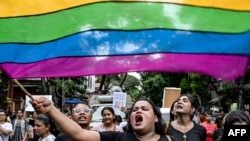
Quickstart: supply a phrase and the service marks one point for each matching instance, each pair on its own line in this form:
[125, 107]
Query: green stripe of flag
[121, 16]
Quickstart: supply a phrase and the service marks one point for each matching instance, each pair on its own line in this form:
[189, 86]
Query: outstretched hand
[41, 105]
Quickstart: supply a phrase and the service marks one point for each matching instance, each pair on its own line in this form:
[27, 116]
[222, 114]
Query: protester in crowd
[124, 124]
[42, 128]
[13, 116]
[196, 117]
[202, 116]
[32, 122]
[126, 111]
[183, 128]
[82, 115]
[145, 123]
[5, 126]
[65, 109]
[209, 125]
[108, 121]
[20, 127]
[218, 133]
[172, 116]
[247, 112]
[235, 117]
[9, 116]
[31, 136]
[69, 114]
[118, 120]
[219, 118]
[173, 111]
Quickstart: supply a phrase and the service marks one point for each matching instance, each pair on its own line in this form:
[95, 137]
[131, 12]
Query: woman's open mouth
[138, 120]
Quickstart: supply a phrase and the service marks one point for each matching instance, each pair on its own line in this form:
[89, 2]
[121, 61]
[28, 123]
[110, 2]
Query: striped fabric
[52, 38]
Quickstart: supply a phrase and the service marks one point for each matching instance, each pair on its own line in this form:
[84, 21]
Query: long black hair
[159, 128]
[172, 115]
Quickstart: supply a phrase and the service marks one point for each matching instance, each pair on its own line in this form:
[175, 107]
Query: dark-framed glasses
[2, 115]
[85, 110]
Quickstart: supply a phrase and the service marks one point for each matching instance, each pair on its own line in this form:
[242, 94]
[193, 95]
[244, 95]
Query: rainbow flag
[62, 38]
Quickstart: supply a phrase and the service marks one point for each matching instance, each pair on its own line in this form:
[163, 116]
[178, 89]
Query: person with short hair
[209, 125]
[82, 115]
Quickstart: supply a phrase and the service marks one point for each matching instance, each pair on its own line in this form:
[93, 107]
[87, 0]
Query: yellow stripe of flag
[12, 8]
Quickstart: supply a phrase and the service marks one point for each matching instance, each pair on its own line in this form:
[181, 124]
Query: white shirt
[6, 126]
[48, 138]
[123, 124]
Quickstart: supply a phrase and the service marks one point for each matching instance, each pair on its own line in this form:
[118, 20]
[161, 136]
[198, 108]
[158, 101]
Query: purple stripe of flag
[227, 67]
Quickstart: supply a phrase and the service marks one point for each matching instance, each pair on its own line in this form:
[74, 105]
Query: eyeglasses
[85, 110]
[2, 115]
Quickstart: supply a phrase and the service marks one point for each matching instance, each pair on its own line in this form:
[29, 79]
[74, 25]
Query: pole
[23, 89]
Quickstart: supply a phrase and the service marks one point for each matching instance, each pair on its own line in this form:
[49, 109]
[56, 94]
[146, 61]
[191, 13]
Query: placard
[28, 106]
[170, 95]
[119, 100]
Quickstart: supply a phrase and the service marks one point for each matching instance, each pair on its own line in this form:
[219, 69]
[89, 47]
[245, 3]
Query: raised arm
[66, 125]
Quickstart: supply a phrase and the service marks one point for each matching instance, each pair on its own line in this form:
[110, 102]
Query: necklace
[184, 136]
[184, 129]
[154, 138]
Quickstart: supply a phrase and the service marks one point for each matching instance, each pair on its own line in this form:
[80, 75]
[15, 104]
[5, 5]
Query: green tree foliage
[106, 81]
[230, 90]
[132, 86]
[129, 83]
[70, 86]
[4, 81]
[64, 87]
[153, 85]
[197, 85]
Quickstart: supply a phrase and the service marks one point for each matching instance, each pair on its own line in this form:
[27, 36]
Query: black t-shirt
[217, 133]
[197, 133]
[62, 137]
[122, 136]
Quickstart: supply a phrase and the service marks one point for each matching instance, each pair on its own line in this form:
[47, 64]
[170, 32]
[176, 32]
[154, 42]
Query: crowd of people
[143, 122]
